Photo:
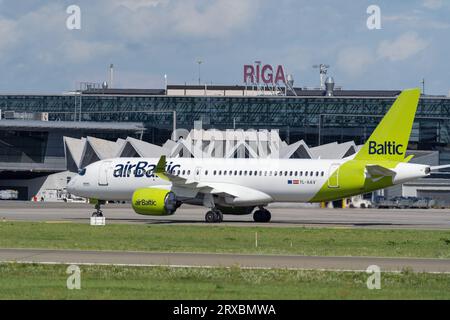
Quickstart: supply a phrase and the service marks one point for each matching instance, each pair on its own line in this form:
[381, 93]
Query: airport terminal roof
[301, 92]
[134, 92]
[72, 125]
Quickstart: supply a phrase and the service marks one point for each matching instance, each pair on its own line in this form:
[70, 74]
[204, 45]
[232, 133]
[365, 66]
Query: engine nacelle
[154, 202]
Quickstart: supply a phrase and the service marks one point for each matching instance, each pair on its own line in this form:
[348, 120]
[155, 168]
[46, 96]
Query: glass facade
[315, 119]
[23, 146]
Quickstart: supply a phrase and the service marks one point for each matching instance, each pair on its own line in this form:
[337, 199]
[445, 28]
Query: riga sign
[263, 74]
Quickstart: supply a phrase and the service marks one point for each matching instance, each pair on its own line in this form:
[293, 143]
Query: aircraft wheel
[98, 213]
[210, 217]
[214, 216]
[262, 215]
[219, 216]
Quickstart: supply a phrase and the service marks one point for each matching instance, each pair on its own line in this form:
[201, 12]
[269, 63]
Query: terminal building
[45, 137]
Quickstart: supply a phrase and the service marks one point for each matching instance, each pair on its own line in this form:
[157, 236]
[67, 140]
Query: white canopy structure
[202, 143]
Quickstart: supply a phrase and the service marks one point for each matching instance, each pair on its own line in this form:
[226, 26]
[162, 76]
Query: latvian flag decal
[293, 182]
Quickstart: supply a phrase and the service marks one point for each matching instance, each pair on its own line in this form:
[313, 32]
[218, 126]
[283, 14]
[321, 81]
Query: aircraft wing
[232, 193]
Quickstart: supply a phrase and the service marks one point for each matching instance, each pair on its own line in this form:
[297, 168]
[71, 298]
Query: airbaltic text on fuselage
[140, 169]
[388, 147]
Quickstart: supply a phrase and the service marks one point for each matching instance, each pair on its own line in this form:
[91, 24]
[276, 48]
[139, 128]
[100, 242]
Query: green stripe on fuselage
[352, 180]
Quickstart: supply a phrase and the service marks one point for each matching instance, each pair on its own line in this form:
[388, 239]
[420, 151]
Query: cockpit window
[81, 172]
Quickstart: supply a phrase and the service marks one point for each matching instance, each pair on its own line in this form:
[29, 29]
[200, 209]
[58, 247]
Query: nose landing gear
[98, 212]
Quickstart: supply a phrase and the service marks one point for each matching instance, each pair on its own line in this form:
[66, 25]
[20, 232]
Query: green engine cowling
[154, 202]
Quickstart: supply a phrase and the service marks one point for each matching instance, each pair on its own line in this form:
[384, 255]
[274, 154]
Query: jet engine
[154, 202]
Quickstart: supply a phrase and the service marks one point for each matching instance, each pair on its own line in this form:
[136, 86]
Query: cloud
[433, 4]
[405, 46]
[151, 19]
[7, 35]
[217, 19]
[354, 60]
[415, 19]
[80, 51]
[136, 4]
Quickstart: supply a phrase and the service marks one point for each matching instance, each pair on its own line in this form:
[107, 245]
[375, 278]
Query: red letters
[265, 74]
[249, 72]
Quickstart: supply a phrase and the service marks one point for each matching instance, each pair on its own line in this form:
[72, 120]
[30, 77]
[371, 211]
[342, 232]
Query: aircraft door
[103, 173]
[333, 176]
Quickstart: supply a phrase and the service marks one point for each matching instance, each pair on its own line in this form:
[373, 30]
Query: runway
[221, 260]
[282, 215]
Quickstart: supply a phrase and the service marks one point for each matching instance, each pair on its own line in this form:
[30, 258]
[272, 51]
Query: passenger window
[249, 173]
[295, 173]
[240, 173]
[235, 172]
[290, 173]
[312, 173]
[321, 173]
[206, 172]
[306, 173]
[285, 173]
[189, 172]
[281, 173]
[230, 173]
[245, 172]
[275, 173]
[184, 172]
[225, 173]
[317, 173]
[215, 172]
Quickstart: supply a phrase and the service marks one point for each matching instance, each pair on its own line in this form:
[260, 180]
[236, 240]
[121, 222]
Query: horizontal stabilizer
[376, 171]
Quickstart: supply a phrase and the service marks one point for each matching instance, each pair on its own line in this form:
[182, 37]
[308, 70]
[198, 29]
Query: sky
[146, 39]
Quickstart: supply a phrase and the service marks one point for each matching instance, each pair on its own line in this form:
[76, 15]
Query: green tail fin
[390, 138]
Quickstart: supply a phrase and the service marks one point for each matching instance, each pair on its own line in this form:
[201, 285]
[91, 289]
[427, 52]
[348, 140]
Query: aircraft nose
[71, 186]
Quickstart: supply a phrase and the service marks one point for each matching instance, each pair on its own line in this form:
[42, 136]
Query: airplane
[159, 186]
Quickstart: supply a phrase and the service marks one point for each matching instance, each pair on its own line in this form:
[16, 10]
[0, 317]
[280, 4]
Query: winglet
[408, 158]
[160, 169]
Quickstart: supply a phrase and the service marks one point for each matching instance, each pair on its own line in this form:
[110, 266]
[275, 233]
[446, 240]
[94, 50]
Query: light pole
[165, 82]
[199, 71]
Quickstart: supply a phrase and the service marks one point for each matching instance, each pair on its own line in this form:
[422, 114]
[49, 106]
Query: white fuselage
[284, 180]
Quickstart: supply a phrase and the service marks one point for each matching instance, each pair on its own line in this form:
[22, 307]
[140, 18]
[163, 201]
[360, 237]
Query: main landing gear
[214, 216]
[262, 215]
[98, 212]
